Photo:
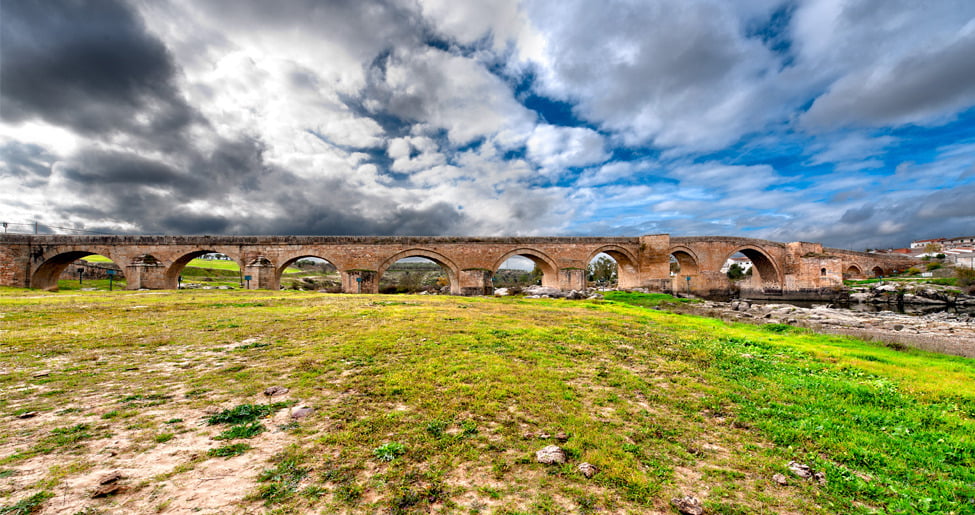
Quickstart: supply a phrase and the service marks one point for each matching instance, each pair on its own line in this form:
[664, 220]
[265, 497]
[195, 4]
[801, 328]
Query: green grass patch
[27, 506]
[645, 300]
[246, 413]
[241, 431]
[229, 451]
[281, 482]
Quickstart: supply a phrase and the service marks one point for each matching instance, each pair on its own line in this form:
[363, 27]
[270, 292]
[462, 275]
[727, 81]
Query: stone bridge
[793, 270]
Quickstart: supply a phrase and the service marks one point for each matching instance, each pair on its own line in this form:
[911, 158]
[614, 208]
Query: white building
[743, 262]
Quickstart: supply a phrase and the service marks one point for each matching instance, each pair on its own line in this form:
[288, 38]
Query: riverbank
[944, 332]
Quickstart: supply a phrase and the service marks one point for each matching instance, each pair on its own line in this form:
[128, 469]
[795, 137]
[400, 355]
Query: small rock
[110, 478]
[562, 437]
[800, 469]
[553, 454]
[588, 469]
[542, 436]
[898, 327]
[780, 479]
[41, 373]
[302, 412]
[688, 505]
[820, 478]
[29, 414]
[106, 490]
[271, 391]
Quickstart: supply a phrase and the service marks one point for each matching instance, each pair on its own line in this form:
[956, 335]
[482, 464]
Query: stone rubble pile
[944, 331]
[921, 294]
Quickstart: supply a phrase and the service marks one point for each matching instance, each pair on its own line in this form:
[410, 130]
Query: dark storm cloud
[88, 65]
[25, 160]
[128, 188]
[97, 168]
[438, 219]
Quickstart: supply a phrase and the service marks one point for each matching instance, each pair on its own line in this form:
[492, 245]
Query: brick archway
[627, 265]
[550, 271]
[446, 263]
[45, 277]
[767, 275]
[175, 269]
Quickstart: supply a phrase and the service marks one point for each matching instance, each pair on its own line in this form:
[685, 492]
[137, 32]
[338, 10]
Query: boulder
[588, 469]
[551, 455]
[688, 505]
[544, 291]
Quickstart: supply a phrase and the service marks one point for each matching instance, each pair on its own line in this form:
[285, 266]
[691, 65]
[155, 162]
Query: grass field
[430, 403]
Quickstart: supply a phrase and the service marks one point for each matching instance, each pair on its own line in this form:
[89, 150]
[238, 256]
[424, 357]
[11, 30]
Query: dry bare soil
[438, 404]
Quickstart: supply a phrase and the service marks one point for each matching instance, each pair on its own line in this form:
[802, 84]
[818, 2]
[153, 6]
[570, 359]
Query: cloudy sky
[846, 122]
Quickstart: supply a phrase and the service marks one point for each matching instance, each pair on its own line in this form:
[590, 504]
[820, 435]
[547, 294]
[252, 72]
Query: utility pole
[35, 226]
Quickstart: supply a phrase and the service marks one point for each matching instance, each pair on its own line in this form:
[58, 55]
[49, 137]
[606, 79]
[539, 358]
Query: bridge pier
[474, 281]
[145, 275]
[263, 275]
[572, 279]
[360, 281]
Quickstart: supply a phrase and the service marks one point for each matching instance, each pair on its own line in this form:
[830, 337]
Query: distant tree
[536, 277]
[603, 270]
[932, 248]
[736, 272]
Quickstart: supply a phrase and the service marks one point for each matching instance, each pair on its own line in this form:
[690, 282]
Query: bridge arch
[767, 273]
[446, 263]
[550, 271]
[627, 268]
[853, 270]
[45, 276]
[290, 260]
[176, 268]
[687, 260]
[877, 271]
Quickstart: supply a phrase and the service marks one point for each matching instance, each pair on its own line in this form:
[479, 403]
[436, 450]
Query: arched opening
[877, 271]
[683, 263]
[78, 270]
[542, 269]
[752, 269]
[418, 271]
[309, 272]
[822, 272]
[602, 272]
[852, 272]
[613, 266]
[683, 266]
[204, 269]
[517, 272]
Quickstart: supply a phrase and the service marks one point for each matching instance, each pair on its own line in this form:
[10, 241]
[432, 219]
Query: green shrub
[246, 413]
[389, 451]
[966, 277]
